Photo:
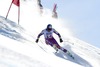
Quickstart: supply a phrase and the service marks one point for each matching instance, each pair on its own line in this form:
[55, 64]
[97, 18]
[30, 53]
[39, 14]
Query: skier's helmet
[49, 27]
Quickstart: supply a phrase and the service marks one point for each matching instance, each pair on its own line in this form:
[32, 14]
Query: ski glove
[61, 40]
[37, 40]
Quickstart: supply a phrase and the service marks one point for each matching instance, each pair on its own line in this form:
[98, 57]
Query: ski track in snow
[6, 29]
[9, 58]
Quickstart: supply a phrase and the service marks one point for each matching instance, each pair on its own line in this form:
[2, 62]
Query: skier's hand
[37, 40]
[61, 40]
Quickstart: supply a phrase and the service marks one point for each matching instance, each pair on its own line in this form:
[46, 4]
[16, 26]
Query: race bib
[49, 35]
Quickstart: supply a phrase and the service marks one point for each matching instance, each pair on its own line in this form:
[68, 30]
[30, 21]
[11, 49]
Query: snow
[17, 51]
[18, 47]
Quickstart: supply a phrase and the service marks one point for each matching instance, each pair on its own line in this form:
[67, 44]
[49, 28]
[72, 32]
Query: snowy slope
[18, 47]
[20, 51]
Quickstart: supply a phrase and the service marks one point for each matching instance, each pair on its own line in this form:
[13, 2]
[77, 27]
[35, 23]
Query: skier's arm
[39, 37]
[58, 35]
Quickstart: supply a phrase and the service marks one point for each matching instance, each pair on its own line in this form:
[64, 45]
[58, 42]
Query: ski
[42, 48]
[69, 54]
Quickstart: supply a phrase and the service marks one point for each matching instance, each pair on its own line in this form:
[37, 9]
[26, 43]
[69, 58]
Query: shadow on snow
[77, 59]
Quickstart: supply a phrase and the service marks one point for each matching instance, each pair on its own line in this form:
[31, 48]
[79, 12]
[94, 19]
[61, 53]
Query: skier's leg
[63, 49]
[66, 51]
[52, 42]
[55, 47]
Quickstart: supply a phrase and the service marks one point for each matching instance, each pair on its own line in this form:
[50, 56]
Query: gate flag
[17, 3]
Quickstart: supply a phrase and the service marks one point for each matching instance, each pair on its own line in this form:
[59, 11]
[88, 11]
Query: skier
[40, 6]
[54, 13]
[49, 39]
[39, 3]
